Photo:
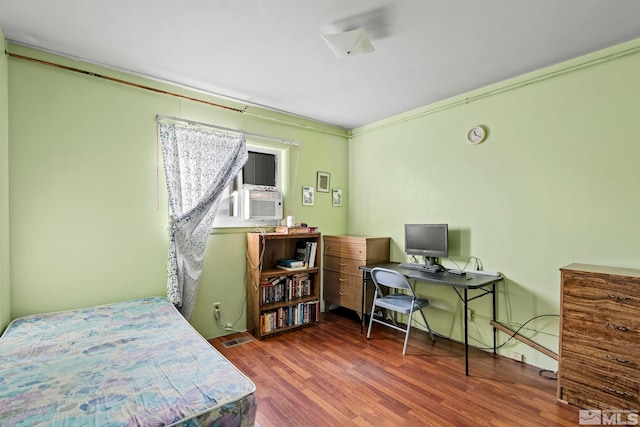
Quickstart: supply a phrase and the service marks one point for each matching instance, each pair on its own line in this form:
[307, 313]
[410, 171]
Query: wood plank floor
[331, 375]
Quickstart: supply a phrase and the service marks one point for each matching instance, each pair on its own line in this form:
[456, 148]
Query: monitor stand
[430, 261]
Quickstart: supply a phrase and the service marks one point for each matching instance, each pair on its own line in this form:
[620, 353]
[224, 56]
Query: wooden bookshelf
[280, 300]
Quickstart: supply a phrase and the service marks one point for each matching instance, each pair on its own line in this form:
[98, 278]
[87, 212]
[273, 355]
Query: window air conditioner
[262, 205]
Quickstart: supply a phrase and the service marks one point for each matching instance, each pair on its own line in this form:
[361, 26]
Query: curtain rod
[257, 135]
[124, 82]
[244, 110]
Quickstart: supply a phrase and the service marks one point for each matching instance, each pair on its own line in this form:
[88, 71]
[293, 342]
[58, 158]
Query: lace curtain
[198, 163]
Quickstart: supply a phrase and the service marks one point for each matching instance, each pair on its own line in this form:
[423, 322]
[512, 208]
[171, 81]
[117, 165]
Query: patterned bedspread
[135, 363]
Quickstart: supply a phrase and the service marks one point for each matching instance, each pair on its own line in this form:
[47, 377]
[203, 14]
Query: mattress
[134, 363]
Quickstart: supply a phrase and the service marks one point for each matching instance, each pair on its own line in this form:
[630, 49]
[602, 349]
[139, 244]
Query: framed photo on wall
[336, 197]
[307, 196]
[323, 182]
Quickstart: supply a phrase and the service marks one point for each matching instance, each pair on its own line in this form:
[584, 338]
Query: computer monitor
[428, 240]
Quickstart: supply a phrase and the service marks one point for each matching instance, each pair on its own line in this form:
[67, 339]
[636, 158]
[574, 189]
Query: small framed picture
[307, 196]
[323, 182]
[336, 197]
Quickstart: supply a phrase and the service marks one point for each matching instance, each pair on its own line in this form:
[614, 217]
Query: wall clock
[476, 135]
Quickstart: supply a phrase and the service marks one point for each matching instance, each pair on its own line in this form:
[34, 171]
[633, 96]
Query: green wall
[556, 182]
[5, 307]
[88, 202]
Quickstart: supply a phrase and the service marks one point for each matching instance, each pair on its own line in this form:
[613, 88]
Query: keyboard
[421, 267]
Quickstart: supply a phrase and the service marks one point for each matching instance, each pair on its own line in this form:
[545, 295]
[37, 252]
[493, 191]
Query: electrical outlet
[517, 356]
[216, 307]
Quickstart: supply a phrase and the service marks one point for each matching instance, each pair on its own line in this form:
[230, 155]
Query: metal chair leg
[428, 327]
[371, 317]
[406, 338]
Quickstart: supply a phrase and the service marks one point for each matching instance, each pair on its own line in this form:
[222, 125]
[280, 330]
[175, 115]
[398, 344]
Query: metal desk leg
[364, 291]
[495, 299]
[466, 333]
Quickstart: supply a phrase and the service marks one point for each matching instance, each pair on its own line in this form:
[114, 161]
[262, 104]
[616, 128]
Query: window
[260, 169]
[254, 197]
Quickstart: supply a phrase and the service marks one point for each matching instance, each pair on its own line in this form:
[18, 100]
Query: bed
[133, 363]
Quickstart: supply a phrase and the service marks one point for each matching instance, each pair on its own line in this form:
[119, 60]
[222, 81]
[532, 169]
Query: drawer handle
[342, 264]
[620, 328]
[618, 392]
[619, 298]
[342, 293]
[617, 359]
[341, 279]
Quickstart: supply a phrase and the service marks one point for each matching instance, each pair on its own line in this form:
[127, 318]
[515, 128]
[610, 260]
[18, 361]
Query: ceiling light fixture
[349, 43]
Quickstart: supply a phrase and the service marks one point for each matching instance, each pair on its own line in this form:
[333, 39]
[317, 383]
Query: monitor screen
[429, 240]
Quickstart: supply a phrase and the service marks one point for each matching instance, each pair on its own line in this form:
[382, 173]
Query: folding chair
[405, 303]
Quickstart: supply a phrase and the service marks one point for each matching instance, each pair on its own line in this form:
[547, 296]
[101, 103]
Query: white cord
[216, 314]
[476, 259]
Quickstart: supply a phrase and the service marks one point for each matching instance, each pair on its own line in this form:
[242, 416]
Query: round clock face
[476, 135]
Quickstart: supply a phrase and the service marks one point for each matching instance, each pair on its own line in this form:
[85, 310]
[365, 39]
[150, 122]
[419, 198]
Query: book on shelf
[284, 267]
[306, 252]
[302, 253]
[291, 263]
[272, 281]
[293, 230]
[286, 289]
[312, 254]
[292, 315]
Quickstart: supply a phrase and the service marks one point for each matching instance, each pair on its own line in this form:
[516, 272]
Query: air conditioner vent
[262, 205]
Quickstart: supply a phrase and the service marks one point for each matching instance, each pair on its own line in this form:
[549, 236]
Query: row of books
[285, 288]
[293, 315]
[306, 252]
[305, 257]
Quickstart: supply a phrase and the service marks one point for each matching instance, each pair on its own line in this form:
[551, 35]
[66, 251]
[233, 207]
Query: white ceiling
[270, 53]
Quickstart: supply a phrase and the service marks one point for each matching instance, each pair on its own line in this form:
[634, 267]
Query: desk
[460, 284]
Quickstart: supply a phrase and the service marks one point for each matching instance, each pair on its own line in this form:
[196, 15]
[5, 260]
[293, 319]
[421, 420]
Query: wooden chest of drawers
[343, 255]
[599, 356]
